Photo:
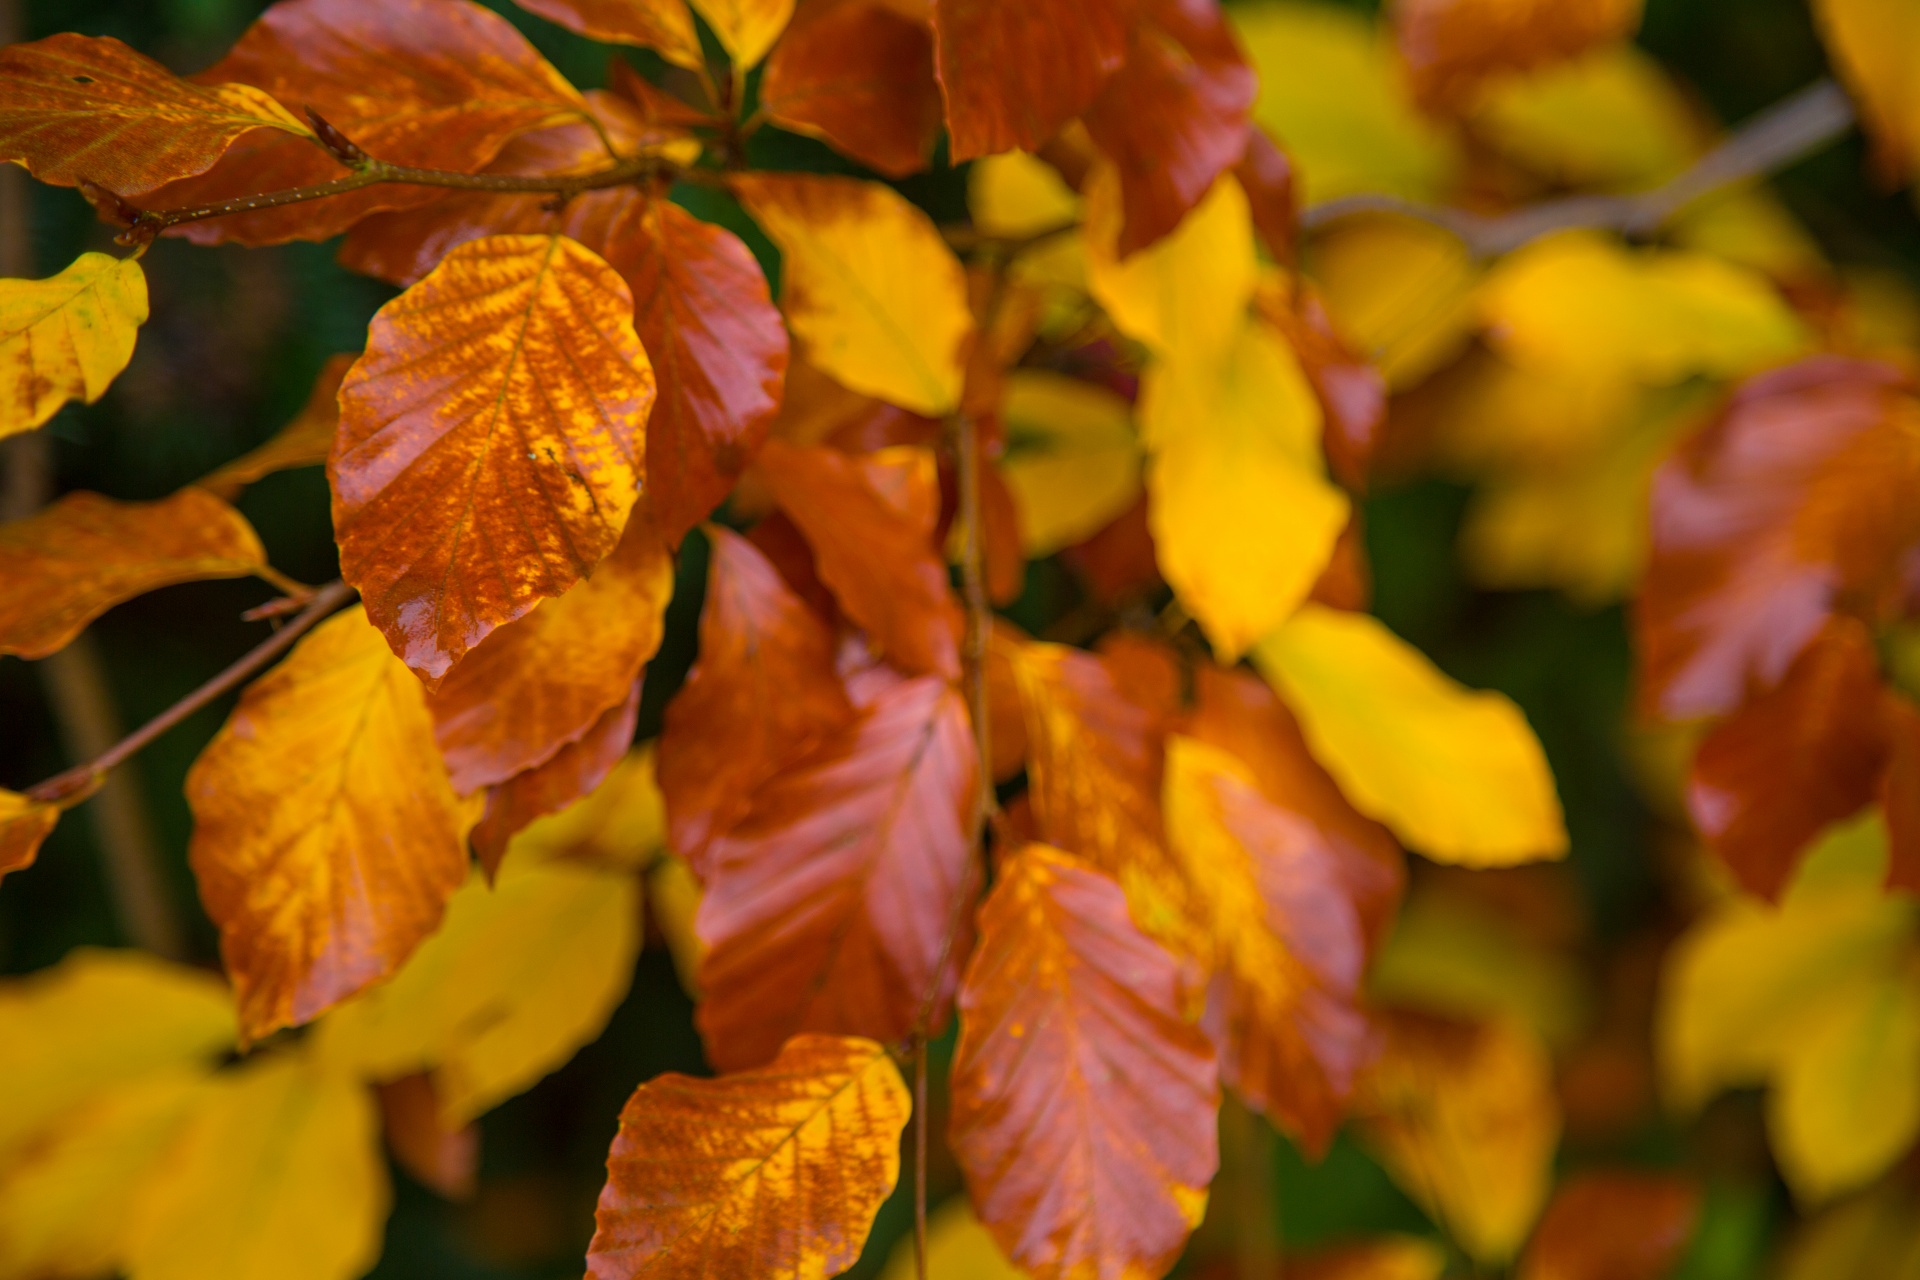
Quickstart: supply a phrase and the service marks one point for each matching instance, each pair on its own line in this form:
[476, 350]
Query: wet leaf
[66, 337]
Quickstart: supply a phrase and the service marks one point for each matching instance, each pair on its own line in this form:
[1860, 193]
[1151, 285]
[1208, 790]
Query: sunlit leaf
[859, 74]
[66, 337]
[1014, 71]
[24, 826]
[665, 26]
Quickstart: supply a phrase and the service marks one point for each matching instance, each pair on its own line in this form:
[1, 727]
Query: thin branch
[920, 1159]
[1789, 131]
[77, 779]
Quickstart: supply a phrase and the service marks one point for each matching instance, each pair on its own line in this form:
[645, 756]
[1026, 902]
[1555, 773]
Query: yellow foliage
[1402, 289]
[1015, 194]
[746, 29]
[958, 1248]
[66, 337]
[1073, 460]
[622, 823]
[1612, 119]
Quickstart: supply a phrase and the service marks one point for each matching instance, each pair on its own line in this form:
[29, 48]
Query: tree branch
[1788, 131]
[77, 779]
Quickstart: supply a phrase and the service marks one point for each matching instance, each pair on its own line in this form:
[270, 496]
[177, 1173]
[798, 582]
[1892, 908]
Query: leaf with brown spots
[490, 442]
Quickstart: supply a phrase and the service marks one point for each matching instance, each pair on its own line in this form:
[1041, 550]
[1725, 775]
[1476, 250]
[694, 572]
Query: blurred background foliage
[236, 339]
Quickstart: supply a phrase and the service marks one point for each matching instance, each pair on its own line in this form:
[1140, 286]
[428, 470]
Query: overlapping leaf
[72, 562]
[859, 74]
[1073, 461]
[699, 1168]
[1014, 71]
[570, 774]
[327, 838]
[665, 26]
[491, 441]
[66, 337]
[1451, 46]
[1083, 1102]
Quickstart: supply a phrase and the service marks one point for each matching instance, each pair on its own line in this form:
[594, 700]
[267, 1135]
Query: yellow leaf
[1014, 194]
[1184, 297]
[958, 1248]
[24, 825]
[1870, 1237]
[66, 337]
[1613, 118]
[1073, 461]
[870, 287]
[1331, 89]
[746, 29]
[473, 1007]
[96, 1021]
[64, 1207]
[622, 823]
[1875, 42]
[674, 896]
[277, 1175]
[1580, 304]
[1243, 517]
[1456, 774]
[1402, 290]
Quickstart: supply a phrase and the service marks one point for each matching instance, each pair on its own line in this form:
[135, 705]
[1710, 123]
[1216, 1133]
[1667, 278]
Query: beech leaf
[858, 74]
[66, 337]
[1014, 71]
[24, 826]
[665, 26]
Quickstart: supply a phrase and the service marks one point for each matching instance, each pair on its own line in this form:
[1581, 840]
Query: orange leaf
[327, 839]
[870, 522]
[70, 563]
[1352, 394]
[438, 83]
[24, 825]
[1900, 794]
[574, 770]
[763, 693]
[74, 108]
[540, 683]
[1613, 1226]
[304, 442]
[443, 1160]
[1804, 755]
[1175, 117]
[665, 26]
[1014, 71]
[490, 442]
[703, 1170]
[858, 74]
[719, 350]
[1272, 183]
[1083, 1103]
[1450, 47]
[1800, 495]
[833, 905]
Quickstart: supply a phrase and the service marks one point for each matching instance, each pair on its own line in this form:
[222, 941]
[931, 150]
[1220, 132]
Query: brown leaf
[834, 904]
[665, 26]
[1014, 71]
[539, 683]
[1352, 394]
[1083, 1103]
[65, 566]
[719, 350]
[24, 826]
[859, 75]
[438, 83]
[1175, 117]
[1272, 182]
[1795, 503]
[574, 771]
[1900, 794]
[304, 442]
[762, 694]
[326, 839]
[490, 442]
[446, 1161]
[73, 108]
[1803, 755]
[1450, 47]
[870, 522]
[1613, 1226]
[776, 1172]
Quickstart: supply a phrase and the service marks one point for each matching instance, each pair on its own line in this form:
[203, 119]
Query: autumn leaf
[560, 782]
[620, 824]
[1451, 46]
[1870, 42]
[1404, 291]
[1016, 195]
[1013, 71]
[665, 26]
[74, 108]
[746, 29]
[1073, 461]
[66, 337]
[872, 292]
[70, 563]
[1457, 775]
[957, 1245]
[490, 442]
[859, 75]
[304, 442]
[1395, 1257]
[1351, 391]
[1083, 1103]
[327, 838]
[296, 1144]
[810, 1141]
[446, 1160]
[836, 904]
[1613, 1226]
[763, 692]
[24, 826]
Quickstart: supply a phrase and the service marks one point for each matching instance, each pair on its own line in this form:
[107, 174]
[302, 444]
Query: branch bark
[1788, 131]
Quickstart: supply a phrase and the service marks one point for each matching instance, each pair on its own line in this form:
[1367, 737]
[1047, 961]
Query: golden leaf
[24, 826]
[66, 337]
[746, 28]
[1072, 462]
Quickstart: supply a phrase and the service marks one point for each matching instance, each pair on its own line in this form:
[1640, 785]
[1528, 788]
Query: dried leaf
[469, 1006]
[810, 1142]
[1613, 1226]
[24, 826]
[1014, 71]
[763, 692]
[1083, 1103]
[74, 108]
[66, 337]
[1457, 775]
[327, 839]
[304, 442]
[665, 26]
[871, 290]
[835, 904]
[1451, 47]
[859, 75]
[276, 1175]
[71, 562]
[490, 442]
[870, 522]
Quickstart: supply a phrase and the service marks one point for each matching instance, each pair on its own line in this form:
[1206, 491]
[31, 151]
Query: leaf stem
[78, 779]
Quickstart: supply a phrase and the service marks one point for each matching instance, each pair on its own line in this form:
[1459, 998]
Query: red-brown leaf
[1352, 394]
[1014, 71]
[1272, 183]
[762, 695]
[1900, 794]
[665, 26]
[574, 770]
[833, 905]
[1449, 47]
[1613, 1226]
[1083, 1103]
[1805, 754]
[858, 74]
[443, 1160]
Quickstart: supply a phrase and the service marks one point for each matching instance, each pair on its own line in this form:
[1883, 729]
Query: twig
[920, 1159]
[1787, 131]
[325, 600]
